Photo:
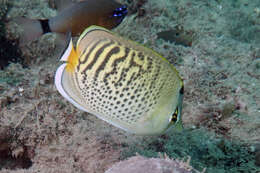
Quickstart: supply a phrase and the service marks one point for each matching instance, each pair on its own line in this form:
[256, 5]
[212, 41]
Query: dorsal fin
[69, 45]
[89, 29]
[69, 54]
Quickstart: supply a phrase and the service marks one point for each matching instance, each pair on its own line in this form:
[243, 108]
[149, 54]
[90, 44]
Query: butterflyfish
[121, 82]
[75, 18]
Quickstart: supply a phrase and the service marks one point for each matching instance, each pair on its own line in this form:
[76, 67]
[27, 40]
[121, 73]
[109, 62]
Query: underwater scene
[130, 86]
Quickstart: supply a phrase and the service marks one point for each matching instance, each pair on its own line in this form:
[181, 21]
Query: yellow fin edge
[72, 60]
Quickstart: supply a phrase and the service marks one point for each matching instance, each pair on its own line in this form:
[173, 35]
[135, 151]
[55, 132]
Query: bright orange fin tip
[70, 56]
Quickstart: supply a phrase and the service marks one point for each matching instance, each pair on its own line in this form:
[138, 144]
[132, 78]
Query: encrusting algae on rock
[223, 62]
[139, 164]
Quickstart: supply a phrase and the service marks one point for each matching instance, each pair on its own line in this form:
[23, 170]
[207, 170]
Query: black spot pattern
[126, 89]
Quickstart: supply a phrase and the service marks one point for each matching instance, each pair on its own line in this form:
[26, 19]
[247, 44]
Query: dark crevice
[9, 50]
[7, 161]
[12, 157]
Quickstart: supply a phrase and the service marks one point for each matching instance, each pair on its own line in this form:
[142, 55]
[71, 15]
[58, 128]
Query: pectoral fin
[65, 85]
[65, 76]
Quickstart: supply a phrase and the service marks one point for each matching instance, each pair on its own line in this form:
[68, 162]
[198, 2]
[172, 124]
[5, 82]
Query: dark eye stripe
[175, 116]
[182, 90]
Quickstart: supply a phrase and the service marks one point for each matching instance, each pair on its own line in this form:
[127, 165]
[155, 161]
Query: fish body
[127, 85]
[75, 19]
[177, 35]
[81, 15]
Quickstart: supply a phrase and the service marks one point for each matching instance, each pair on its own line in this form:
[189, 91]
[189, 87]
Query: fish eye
[120, 12]
[174, 116]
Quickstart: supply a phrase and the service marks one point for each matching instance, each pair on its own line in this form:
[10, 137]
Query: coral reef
[221, 72]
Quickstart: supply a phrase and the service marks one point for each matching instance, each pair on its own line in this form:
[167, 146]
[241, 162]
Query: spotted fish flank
[121, 82]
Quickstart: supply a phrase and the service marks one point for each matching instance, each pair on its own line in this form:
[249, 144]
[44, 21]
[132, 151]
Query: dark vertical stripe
[89, 52]
[115, 50]
[114, 64]
[127, 50]
[96, 56]
[45, 25]
[182, 90]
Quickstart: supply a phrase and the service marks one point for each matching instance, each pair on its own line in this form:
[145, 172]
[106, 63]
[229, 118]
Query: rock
[139, 164]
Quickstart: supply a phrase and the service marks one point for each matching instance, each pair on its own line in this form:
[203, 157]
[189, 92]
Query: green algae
[10, 78]
[217, 154]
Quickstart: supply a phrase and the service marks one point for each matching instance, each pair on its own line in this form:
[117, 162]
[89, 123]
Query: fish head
[120, 12]
[165, 116]
[174, 118]
[113, 15]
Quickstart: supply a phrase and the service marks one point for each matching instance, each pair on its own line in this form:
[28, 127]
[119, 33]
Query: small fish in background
[177, 35]
[74, 17]
[121, 82]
